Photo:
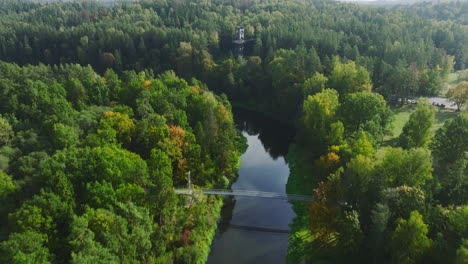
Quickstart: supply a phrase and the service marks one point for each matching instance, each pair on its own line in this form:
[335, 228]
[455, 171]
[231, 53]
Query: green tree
[320, 109]
[7, 185]
[458, 94]
[84, 248]
[76, 93]
[430, 82]
[360, 144]
[451, 141]
[380, 215]
[335, 135]
[125, 233]
[27, 247]
[398, 167]
[30, 217]
[6, 132]
[417, 131]
[350, 235]
[316, 84]
[402, 200]
[462, 253]
[360, 171]
[367, 111]
[114, 84]
[319, 113]
[100, 195]
[454, 182]
[409, 241]
[161, 177]
[64, 136]
[349, 78]
[457, 224]
[121, 123]
[287, 71]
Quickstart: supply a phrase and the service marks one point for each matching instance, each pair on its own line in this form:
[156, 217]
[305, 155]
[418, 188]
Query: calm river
[263, 169]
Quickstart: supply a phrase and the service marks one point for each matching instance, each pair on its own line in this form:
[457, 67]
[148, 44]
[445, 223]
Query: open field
[402, 115]
[453, 77]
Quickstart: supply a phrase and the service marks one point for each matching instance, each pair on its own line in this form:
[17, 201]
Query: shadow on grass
[441, 116]
[401, 116]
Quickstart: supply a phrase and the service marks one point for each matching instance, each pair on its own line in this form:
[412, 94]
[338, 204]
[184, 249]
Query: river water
[254, 230]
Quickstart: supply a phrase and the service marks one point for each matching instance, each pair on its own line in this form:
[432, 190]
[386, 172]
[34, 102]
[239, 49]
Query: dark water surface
[263, 168]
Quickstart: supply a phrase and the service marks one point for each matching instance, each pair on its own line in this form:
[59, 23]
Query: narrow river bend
[254, 230]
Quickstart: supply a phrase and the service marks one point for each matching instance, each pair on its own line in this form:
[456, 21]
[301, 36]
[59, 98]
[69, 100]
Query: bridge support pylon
[189, 183]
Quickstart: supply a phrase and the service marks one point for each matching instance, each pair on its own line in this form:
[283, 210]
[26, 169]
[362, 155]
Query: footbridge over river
[245, 193]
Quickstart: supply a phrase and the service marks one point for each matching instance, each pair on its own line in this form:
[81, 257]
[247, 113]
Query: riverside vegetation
[106, 106]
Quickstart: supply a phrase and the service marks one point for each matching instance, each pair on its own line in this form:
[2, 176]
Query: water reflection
[263, 169]
[226, 215]
[274, 136]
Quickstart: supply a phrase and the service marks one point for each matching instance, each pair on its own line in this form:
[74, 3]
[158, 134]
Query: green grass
[453, 77]
[452, 81]
[400, 118]
[442, 116]
[402, 115]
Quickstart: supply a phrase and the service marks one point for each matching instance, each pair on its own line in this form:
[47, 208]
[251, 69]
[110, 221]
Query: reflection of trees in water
[226, 214]
[274, 136]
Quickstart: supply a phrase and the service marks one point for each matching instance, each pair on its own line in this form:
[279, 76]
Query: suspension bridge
[256, 194]
[245, 193]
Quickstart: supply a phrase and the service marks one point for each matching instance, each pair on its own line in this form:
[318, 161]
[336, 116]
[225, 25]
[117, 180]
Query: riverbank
[299, 182]
[204, 218]
[205, 245]
[303, 179]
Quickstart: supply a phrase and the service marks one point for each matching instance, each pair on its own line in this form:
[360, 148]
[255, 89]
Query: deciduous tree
[349, 78]
[409, 240]
[458, 95]
[417, 131]
[6, 132]
[26, 247]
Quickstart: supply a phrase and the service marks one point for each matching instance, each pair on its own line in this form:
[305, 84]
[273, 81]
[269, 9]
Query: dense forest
[106, 106]
[405, 54]
[88, 164]
[376, 202]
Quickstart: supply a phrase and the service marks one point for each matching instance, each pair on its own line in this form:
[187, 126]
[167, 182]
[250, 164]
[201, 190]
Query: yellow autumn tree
[179, 141]
[121, 123]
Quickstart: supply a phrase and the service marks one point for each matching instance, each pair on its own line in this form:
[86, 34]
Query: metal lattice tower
[239, 41]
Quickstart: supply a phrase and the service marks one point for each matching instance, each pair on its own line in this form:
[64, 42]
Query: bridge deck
[270, 195]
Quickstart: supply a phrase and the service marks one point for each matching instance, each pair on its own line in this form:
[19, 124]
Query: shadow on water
[252, 229]
[267, 129]
[226, 214]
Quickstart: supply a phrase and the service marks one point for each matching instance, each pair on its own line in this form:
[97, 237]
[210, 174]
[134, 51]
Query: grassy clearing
[453, 77]
[402, 115]
[453, 80]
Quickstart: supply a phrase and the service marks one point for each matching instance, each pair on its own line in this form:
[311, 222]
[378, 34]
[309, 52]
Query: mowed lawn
[402, 115]
[453, 77]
